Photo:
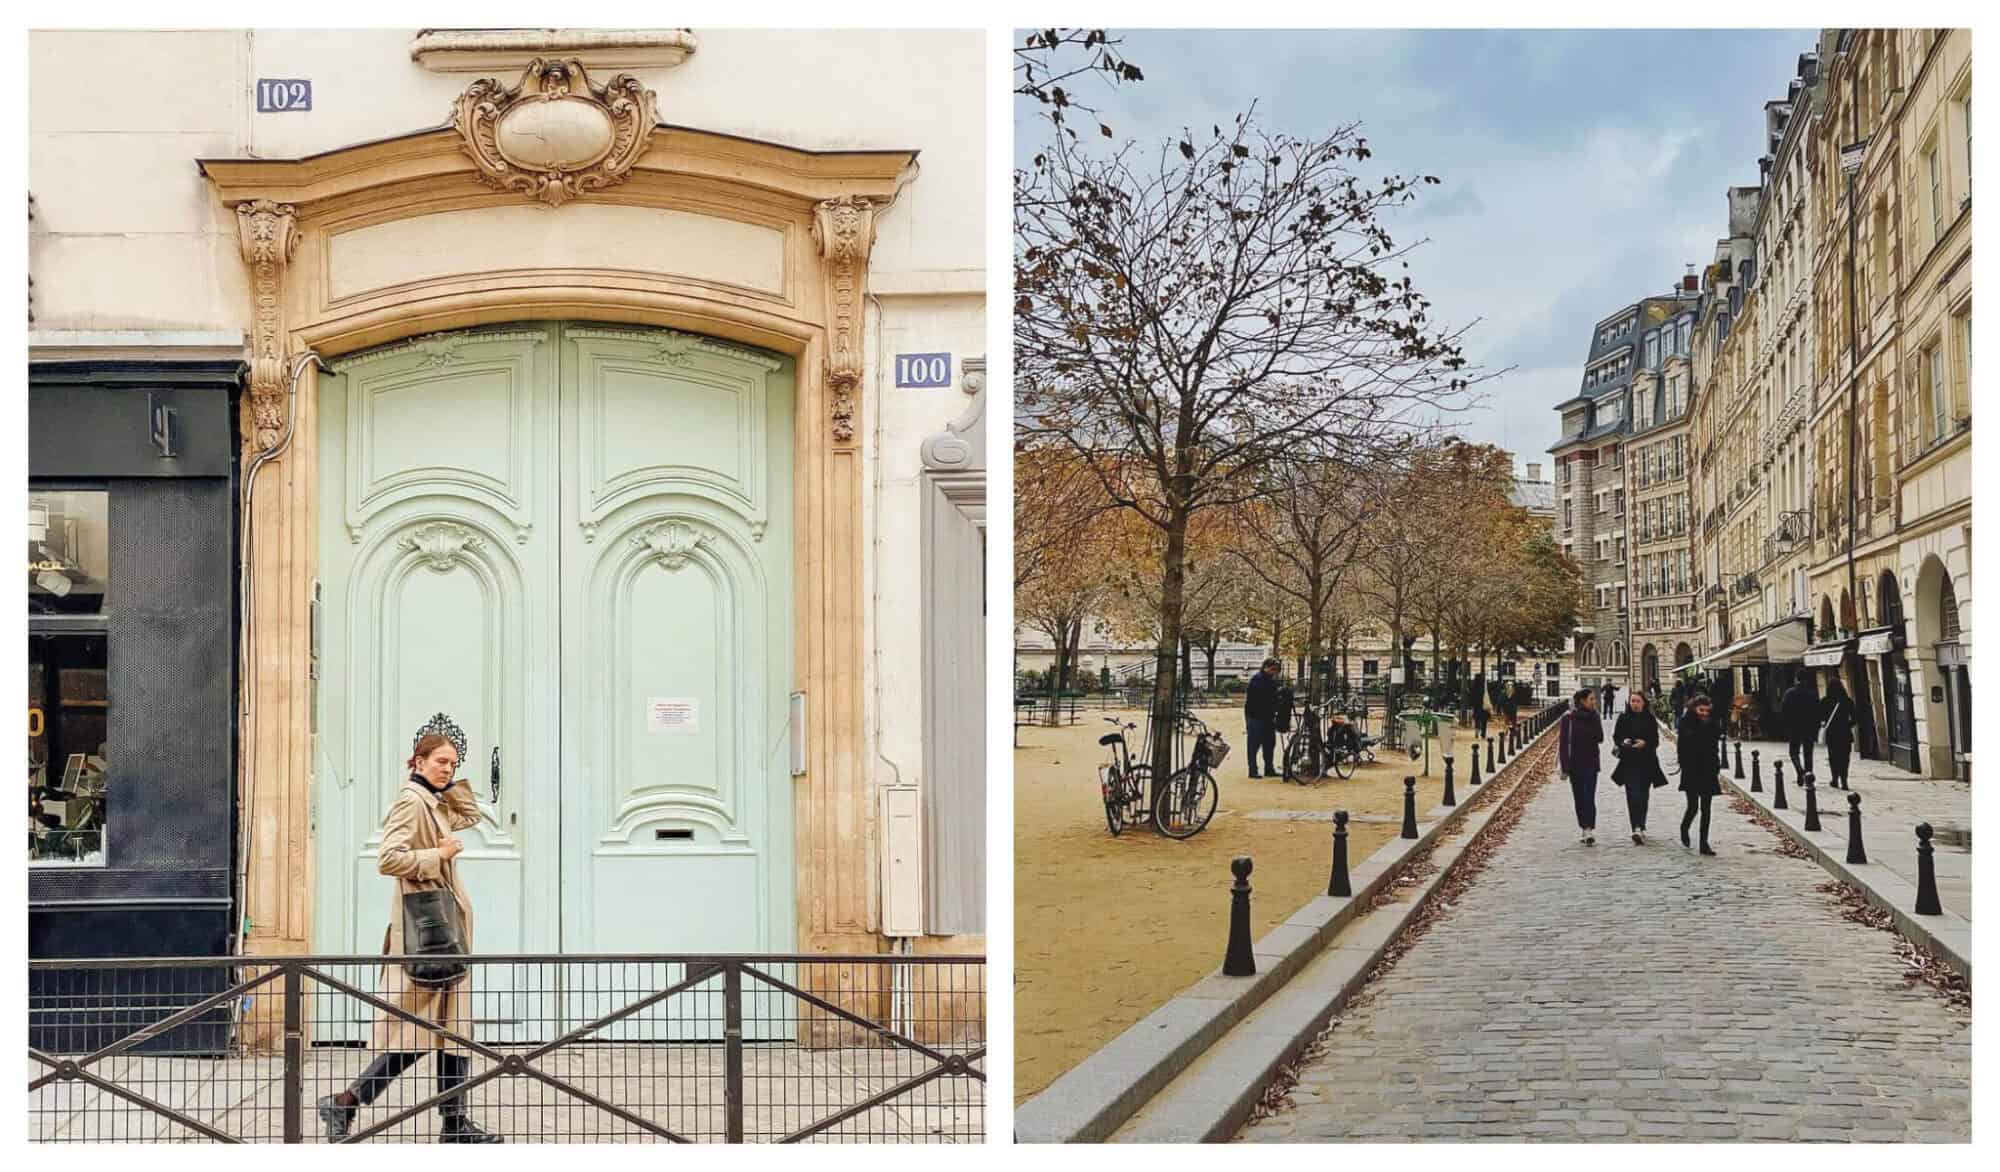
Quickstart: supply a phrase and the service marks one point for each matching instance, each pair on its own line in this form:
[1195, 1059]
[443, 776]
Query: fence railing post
[294, 996]
[732, 1060]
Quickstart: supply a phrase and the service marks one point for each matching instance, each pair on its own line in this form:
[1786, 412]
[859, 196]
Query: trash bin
[1413, 733]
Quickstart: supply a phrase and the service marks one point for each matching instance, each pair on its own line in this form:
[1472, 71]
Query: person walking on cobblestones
[1836, 721]
[1637, 737]
[1799, 709]
[1698, 735]
[1577, 741]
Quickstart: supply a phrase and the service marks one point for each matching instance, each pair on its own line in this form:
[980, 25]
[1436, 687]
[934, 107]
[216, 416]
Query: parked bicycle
[1348, 745]
[1188, 800]
[1124, 783]
[1306, 749]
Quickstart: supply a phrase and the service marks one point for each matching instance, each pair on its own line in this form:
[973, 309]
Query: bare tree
[1188, 316]
[1048, 61]
[1305, 532]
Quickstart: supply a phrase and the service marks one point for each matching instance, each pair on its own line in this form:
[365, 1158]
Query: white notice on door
[675, 717]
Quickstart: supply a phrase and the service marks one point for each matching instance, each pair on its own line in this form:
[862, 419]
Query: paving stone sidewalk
[1623, 992]
[1893, 801]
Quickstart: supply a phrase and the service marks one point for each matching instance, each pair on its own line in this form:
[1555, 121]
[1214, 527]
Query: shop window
[69, 699]
[69, 551]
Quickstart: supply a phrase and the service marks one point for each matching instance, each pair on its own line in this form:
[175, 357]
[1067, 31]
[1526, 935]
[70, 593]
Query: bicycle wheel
[1186, 804]
[1113, 789]
[1301, 763]
[1343, 764]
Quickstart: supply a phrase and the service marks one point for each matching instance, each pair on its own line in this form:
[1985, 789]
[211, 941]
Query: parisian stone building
[1827, 425]
[616, 393]
[1624, 370]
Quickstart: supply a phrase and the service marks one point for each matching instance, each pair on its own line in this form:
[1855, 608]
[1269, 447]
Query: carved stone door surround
[560, 197]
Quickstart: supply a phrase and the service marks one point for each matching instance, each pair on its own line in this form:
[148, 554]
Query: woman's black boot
[458, 1126]
[337, 1116]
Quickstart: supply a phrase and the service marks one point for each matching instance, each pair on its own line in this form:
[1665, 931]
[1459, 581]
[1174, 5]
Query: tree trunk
[1173, 585]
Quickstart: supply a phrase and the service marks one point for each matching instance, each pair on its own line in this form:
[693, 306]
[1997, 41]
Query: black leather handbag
[433, 929]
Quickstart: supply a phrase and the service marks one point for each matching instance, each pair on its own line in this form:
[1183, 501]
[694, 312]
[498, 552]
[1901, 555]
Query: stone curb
[1094, 1098]
[1948, 936]
[1210, 1101]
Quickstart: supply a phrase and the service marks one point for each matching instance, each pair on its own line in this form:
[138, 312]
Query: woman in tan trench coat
[419, 851]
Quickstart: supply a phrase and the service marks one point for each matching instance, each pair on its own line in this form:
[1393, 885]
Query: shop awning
[1879, 641]
[1781, 642]
[1828, 654]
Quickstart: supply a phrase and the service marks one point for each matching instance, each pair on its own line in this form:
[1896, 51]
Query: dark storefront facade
[131, 658]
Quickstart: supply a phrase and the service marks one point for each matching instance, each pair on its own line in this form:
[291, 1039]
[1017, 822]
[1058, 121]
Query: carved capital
[442, 544]
[268, 234]
[555, 134]
[671, 542]
[844, 228]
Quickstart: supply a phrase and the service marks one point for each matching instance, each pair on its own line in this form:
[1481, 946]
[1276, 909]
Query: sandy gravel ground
[1106, 929]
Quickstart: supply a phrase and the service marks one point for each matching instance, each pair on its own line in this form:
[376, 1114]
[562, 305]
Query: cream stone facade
[775, 189]
[1900, 101]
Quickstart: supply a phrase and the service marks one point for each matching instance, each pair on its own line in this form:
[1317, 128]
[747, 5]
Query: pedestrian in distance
[1636, 738]
[1577, 740]
[1608, 702]
[1479, 713]
[418, 851]
[1799, 709]
[1679, 699]
[1260, 717]
[1836, 722]
[1698, 735]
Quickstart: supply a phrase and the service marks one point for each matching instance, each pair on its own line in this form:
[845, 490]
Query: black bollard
[1927, 897]
[1474, 779]
[1338, 885]
[1722, 754]
[1778, 786]
[1812, 802]
[1739, 760]
[1492, 762]
[1409, 807]
[1239, 962]
[1756, 773]
[1855, 853]
[1450, 796]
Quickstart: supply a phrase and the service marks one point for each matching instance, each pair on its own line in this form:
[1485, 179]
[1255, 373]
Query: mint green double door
[575, 540]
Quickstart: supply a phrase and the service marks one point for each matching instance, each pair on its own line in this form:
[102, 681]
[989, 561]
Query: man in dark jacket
[1578, 737]
[1799, 709]
[1260, 716]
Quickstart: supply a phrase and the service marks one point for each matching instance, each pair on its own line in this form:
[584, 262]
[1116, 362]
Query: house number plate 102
[283, 95]
[923, 370]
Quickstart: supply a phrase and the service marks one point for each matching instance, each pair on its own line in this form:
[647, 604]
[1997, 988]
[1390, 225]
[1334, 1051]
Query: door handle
[494, 776]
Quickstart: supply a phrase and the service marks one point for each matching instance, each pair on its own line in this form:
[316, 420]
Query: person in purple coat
[1578, 737]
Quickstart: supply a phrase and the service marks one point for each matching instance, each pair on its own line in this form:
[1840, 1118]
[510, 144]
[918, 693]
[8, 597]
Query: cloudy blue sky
[1581, 169]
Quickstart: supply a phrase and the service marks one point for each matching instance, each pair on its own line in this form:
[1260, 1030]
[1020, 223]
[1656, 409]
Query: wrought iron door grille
[570, 1049]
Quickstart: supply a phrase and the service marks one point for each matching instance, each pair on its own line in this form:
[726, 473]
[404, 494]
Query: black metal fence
[570, 1049]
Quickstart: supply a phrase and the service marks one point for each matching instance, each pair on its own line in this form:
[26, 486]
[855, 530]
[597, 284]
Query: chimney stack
[1534, 473]
[1689, 282]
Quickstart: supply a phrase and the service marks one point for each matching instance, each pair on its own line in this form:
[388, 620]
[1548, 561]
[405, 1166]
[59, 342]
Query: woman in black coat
[1637, 737]
[1699, 734]
[1836, 716]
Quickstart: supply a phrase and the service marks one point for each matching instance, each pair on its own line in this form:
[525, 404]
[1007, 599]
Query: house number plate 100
[923, 370]
[283, 95]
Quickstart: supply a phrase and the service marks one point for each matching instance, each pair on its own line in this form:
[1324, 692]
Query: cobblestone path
[1624, 992]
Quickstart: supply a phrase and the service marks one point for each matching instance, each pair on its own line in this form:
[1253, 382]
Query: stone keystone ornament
[555, 134]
